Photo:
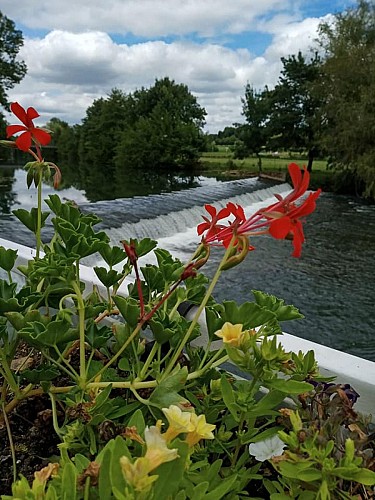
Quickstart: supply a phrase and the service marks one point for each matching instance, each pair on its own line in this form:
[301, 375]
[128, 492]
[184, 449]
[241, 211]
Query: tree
[101, 129]
[11, 70]
[348, 90]
[255, 133]
[163, 128]
[293, 119]
[65, 139]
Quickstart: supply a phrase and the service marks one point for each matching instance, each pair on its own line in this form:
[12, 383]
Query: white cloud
[148, 18]
[71, 66]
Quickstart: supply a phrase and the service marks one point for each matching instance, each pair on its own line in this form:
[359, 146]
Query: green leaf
[30, 219]
[292, 470]
[360, 475]
[199, 490]
[105, 487]
[39, 335]
[137, 421]
[129, 308]
[97, 336]
[229, 398]
[7, 258]
[277, 306]
[289, 386]
[167, 392]
[119, 450]
[42, 373]
[221, 490]
[112, 255]
[69, 482]
[249, 314]
[107, 277]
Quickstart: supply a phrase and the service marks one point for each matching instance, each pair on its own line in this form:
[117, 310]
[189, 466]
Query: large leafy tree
[11, 70]
[160, 126]
[285, 117]
[163, 128]
[348, 88]
[293, 118]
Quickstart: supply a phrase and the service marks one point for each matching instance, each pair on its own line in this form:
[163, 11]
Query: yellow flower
[157, 451]
[202, 430]
[179, 422]
[231, 334]
[137, 474]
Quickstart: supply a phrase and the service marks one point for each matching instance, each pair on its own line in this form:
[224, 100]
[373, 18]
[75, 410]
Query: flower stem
[81, 319]
[202, 305]
[39, 219]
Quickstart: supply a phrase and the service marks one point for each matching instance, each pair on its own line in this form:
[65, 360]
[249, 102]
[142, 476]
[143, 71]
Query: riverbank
[223, 166]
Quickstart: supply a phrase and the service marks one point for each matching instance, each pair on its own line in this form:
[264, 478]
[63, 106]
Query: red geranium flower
[290, 225]
[30, 132]
[280, 220]
[211, 226]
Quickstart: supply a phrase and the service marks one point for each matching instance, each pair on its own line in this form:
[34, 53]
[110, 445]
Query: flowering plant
[144, 403]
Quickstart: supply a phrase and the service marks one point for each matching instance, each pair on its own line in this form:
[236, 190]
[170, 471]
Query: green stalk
[150, 357]
[54, 415]
[81, 329]
[39, 219]
[202, 305]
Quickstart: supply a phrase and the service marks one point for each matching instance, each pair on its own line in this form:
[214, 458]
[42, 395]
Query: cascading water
[168, 214]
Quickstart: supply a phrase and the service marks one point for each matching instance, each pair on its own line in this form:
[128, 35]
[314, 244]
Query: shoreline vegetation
[223, 165]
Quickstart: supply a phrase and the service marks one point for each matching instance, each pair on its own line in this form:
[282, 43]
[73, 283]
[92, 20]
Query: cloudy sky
[78, 50]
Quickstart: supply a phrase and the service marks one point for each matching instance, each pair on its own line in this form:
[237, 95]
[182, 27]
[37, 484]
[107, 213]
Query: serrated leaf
[277, 306]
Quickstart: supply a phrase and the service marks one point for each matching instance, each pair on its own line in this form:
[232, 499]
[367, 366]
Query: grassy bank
[221, 164]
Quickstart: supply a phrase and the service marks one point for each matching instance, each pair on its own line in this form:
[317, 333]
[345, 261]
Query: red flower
[30, 132]
[290, 225]
[280, 220]
[212, 227]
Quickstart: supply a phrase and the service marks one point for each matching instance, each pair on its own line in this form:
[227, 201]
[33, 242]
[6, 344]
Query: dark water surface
[332, 284]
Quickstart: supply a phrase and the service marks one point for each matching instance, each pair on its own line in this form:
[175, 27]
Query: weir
[165, 215]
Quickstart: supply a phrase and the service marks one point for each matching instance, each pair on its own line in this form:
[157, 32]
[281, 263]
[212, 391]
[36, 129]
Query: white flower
[268, 448]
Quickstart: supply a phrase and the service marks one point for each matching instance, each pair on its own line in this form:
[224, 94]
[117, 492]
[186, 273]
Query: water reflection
[99, 184]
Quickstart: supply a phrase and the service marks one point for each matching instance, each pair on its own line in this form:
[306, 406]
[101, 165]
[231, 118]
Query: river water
[332, 283]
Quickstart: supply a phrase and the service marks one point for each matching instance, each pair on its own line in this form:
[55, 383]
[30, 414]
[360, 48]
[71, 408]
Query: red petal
[224, 212]
[24, 141]
[211, 210]
[279, 228]
[295, 174]
[298, 239]
[41, 136]
[32, 113]
[14, 129]
[202, 227]
[20, 112]
[307, 207]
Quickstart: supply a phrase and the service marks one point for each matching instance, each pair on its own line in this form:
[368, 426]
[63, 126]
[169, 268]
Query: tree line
[322, 105]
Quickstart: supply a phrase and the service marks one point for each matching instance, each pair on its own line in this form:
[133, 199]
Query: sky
[78, 50]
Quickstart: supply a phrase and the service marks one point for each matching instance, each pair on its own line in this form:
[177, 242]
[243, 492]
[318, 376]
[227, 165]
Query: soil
[34, 439]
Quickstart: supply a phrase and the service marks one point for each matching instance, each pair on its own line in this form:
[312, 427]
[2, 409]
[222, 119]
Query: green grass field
[224, 159]
[222, 164]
